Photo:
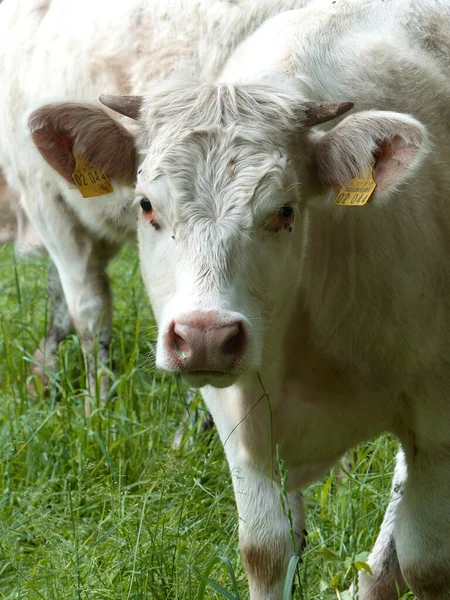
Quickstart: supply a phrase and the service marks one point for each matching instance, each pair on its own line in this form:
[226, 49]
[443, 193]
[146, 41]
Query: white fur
[348, 314]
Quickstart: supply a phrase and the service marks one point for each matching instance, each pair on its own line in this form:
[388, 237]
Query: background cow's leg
[387, 579]
[59, 327]
[266, 539]
[81, 262]
[207, 422]
[89, 299]
[422, 529]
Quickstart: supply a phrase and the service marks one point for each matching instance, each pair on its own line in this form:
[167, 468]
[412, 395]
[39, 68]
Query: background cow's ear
[60, 129]
[393, 141]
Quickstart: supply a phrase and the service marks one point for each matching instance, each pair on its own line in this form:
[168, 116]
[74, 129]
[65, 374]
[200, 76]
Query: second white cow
[76, 50]
[310, 326]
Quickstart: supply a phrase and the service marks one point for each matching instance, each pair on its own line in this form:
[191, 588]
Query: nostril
[236, 340]
[177, 340]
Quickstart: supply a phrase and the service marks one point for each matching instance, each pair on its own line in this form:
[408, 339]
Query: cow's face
[223, 180]
[222, 189]
[217, 234]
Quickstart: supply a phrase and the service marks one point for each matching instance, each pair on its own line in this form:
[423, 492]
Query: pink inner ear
[394, 156]
[57, 151]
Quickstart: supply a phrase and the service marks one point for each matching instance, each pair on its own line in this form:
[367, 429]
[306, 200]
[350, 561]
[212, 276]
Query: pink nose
[205, 342]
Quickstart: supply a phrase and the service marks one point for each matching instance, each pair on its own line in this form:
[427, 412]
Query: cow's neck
[367, 286]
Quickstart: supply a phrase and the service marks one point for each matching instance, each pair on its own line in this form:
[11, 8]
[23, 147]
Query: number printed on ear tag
[89, 179]
[358, 191]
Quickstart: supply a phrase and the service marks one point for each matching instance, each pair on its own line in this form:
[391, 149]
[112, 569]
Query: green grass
[104, 507]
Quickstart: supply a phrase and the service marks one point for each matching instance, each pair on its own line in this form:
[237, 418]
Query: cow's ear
[62, 130]
[393, 142]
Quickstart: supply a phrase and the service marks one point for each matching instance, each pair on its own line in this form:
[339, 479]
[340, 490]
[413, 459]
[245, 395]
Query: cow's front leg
[88, 294]
[59, 327]
[81, 262]
[387, 580]
[422, 528]
[270, 532]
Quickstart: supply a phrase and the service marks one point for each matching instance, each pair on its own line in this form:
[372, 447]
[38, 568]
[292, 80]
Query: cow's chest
[311, 415]
[319, 417]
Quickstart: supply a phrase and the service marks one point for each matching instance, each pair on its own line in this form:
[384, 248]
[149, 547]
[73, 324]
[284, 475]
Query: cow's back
[392, 55]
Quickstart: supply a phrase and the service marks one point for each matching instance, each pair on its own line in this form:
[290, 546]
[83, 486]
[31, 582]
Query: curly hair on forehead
[172, 107]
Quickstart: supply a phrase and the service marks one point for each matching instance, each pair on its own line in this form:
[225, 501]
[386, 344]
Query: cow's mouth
[218, 379]
[207, 373]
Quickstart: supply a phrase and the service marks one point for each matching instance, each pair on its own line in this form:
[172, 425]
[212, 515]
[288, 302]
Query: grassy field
[105, 508]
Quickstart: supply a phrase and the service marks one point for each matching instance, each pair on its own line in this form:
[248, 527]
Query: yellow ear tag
[89, 179]
[358, 191]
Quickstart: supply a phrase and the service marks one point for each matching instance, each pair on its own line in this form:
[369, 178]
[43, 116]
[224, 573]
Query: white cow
[310, 326]
[76, 50]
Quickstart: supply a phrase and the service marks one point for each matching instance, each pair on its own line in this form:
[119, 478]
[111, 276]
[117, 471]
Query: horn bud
[321, 112]
[129, 106]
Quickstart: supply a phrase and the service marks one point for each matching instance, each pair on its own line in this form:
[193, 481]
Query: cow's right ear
[62, 130]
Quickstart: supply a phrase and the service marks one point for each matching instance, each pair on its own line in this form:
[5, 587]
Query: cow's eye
[146, 205]
[285, 212]
[284, 219]
[148, 212]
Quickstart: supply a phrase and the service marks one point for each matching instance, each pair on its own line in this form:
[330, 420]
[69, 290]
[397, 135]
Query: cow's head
[221, 187]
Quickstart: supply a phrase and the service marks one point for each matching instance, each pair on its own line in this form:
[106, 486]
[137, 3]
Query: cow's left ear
[395, 143]
[61, 130]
